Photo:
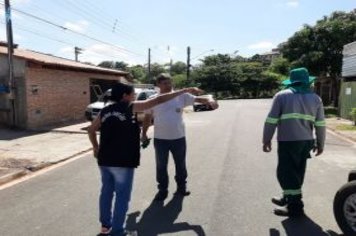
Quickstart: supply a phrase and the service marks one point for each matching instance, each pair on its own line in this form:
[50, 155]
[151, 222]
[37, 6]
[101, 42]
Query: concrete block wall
[57, 96]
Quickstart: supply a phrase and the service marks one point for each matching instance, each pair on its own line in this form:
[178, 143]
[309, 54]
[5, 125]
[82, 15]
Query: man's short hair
[163, 76]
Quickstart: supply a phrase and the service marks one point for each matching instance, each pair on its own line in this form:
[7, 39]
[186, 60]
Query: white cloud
[162, 55]
[265, 45]
[79, 26]
[19, 2]
[97, 53]
[2, 34]
[66, 50]
[17, 37]
[293, 3]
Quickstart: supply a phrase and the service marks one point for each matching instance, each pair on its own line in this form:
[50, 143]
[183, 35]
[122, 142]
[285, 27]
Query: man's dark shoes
[279, 201]
[182, 192]
[161, 196]
[284, 211]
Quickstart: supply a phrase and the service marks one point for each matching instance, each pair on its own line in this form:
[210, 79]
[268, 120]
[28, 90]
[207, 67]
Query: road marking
[42, 171]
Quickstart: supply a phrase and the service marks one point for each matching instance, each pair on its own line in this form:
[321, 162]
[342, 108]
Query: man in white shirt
[169, 136]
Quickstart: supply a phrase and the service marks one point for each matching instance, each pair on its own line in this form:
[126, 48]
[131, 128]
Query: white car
[203, 107]
[93, 109]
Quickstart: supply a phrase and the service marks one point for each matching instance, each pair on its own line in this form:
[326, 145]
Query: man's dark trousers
[292, 161]
[178, 149]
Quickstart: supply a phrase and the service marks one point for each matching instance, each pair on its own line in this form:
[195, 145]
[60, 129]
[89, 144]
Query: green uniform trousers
[292, 162]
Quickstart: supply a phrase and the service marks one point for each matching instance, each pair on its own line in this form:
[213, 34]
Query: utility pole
[77, 51]
[10, 52]
[170, 60]
[10, 44]
[188, 63]
[149, 65]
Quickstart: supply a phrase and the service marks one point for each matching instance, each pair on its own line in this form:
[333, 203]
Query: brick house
[49, 90]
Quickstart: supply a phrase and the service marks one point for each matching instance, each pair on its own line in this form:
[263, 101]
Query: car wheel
[345, 208]
[352, 176]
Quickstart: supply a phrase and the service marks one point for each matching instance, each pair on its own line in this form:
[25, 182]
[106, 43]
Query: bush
[330, 112]
[353, 115]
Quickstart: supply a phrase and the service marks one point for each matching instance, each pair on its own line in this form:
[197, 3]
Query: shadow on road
[8, 134]
[159, 218]
[302, 226]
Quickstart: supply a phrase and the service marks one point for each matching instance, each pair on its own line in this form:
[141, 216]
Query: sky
[124, 30]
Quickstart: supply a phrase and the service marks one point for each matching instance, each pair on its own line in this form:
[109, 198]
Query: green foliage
[330, 112]
[178, 68]
[280, 65]
[353, 115]
[138, 72]
[157, 69]
[345, 127]
[179, 80]
[319, 47]
[236, 78]
[116, 65]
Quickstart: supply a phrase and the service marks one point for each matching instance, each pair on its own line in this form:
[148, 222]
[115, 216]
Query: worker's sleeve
[320, 126]
[272, 119]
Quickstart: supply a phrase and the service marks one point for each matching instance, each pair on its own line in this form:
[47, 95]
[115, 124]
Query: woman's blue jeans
[116, 180]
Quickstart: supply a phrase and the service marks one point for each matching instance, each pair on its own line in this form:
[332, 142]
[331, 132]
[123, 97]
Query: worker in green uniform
[296, 111]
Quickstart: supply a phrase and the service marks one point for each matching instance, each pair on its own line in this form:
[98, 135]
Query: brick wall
[57, 96]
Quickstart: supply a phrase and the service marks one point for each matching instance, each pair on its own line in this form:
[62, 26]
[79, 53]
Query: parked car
[345, 206]
[93, 109]
[143, 95]
[203, 107]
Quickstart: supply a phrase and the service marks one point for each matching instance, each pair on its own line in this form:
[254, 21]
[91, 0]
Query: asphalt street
[231, 181]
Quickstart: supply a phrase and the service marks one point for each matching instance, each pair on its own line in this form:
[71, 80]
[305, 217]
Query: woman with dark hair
[118, 153]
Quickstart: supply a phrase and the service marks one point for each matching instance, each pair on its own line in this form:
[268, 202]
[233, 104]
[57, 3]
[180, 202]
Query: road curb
[12, 176]
[335, 132]
[35, 168]
[38, 166]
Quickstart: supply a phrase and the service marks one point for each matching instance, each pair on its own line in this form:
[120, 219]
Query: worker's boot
[294, 207]
[280, 201]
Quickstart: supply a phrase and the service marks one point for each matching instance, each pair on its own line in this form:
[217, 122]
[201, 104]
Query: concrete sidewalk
[22, 152]
[337, 124]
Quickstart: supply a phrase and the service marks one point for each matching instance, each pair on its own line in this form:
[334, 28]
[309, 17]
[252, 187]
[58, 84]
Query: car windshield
[145, 95]
[106, 94]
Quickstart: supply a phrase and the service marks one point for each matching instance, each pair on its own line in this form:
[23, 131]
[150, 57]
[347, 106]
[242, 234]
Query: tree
[157, 69]
[280, 65]
[116, 65]
[179, 80]
[223, 75]
[178, 68]
[319, 47]
[138, 72]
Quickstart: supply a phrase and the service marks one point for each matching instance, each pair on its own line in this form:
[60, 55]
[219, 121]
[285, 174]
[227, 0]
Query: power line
[100, 21]
[63, 42]
[75, 32]
[87, 14]
[98, 8]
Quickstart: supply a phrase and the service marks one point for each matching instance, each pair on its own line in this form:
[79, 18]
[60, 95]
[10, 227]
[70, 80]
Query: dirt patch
[13, 163]
[335, 125]
[5, 171]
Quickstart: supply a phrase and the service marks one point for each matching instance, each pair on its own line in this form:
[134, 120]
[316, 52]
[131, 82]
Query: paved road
[230, 178]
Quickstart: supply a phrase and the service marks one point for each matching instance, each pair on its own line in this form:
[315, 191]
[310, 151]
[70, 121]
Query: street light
[210, 50]
[188, 59]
